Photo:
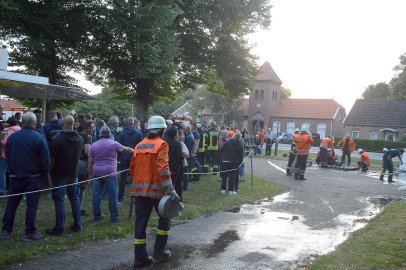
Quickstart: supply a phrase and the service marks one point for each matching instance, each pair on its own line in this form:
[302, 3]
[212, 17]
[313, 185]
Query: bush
[374, 145]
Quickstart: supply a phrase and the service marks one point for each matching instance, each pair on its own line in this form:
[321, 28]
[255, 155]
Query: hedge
[374, 145]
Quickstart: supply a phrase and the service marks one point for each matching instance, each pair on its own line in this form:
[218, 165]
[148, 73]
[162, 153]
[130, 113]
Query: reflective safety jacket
[303, 142]
[347, 144]
[213, 143]
[293, 149]
[365, 158]
[149, 168]
[327, 143]
[203, 141]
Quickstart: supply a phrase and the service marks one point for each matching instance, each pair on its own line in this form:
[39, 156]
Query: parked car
[284, 138]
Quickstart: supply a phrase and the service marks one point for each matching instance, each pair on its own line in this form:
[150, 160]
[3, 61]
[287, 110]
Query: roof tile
[377, 113]
[307, 108]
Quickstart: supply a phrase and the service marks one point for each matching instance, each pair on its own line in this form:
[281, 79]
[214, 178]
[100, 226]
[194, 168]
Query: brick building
[267, 109]
[377, 120]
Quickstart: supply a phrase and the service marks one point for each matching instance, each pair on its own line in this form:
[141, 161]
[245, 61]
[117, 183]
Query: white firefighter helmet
[360, 150]
[155, 123]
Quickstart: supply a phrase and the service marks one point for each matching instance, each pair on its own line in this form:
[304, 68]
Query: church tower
[264, 98]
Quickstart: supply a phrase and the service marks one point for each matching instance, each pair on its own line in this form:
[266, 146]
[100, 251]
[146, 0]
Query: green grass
[380, 245]
[202, 198]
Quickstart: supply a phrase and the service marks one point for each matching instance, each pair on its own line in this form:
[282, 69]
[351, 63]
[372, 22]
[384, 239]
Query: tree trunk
[142, 99]
[50, 71]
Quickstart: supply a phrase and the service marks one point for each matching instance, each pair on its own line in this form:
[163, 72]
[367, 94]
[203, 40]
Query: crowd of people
[160, 159]
[65, 153]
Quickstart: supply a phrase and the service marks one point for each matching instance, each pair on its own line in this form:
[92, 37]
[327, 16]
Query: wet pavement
[276, 233]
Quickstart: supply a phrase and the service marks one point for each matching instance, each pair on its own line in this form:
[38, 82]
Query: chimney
[3, 59]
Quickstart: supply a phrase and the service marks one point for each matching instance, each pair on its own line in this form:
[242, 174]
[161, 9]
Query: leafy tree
[222, 109]
[398, 83]
[285, 92]
[379, 91]
[45, 36]
[156, 49]
[395, 90]
[104, 105]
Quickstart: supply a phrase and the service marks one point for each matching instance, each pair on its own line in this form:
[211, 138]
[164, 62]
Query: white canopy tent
[16, 85]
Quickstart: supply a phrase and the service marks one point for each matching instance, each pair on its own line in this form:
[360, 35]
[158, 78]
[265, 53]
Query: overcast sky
[331, 48]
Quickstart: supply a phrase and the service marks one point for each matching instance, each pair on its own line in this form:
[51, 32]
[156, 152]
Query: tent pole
[44, 109]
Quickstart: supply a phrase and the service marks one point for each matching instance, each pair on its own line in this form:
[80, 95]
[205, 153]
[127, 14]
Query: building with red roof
[268, 110]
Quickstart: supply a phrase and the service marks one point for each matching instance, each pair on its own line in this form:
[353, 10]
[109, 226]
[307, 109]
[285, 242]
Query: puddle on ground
[285, 237]
[221, 243]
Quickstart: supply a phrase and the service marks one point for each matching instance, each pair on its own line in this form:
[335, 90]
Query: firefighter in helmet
[303, 142]
[151, 180]
[292, 153]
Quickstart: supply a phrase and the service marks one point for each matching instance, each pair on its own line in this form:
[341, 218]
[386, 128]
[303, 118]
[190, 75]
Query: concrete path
[278, 233]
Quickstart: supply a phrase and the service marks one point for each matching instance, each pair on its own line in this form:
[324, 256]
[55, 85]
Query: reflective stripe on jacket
[203, 142]
[303, 142]
[327, 143]
[149, 168]
[213, 143]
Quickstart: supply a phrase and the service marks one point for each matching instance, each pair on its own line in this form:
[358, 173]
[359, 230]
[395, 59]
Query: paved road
[278, 233]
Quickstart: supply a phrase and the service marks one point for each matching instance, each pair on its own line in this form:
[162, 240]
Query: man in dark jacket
[28, 161]
[190, 144]
[175, 159]
[65, 150]
[129, 137]
[232, 153]
[53, 126]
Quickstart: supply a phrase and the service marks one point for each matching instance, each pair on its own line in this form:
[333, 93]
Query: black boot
[381, 178]
[296, 176]
[161, 255]
[141, 258]
[301, 177]
[390, 180]
[288, 172]
[142, 263]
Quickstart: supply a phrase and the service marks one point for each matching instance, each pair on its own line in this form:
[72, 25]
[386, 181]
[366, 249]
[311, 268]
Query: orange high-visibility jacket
[327, 143]
[365, 158]
[149, 168]
[351, 144]
[303, 142]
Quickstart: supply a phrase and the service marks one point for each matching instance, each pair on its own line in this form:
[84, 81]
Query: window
[256, 94]
[274, 95]
[276, 127]
[373, 135]
[355, 134]
[390, 137]
[321, 130]
[306, 126]
[290, 127]
[261, 94]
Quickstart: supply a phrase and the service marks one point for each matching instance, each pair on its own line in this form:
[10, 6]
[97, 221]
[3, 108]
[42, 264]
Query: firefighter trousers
[300, 167]
[143, 209]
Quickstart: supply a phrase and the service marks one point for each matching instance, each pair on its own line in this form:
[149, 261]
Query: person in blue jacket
[28, 162]
[129, 137]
